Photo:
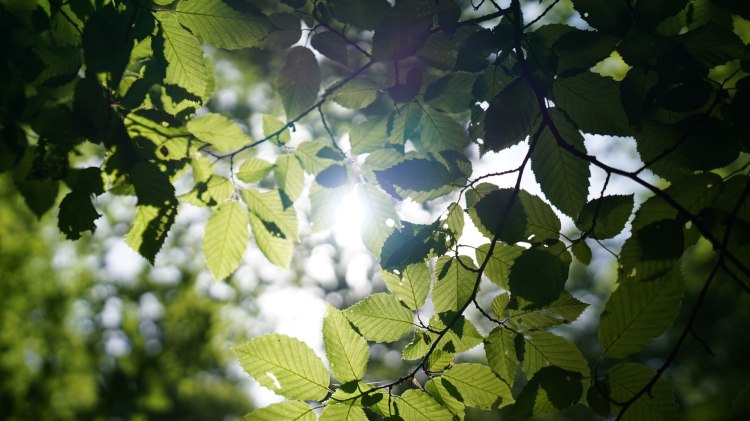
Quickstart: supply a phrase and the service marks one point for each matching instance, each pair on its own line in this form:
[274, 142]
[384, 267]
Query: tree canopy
[405, 100]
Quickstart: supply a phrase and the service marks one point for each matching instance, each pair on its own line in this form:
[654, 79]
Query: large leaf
[498, 267]
[185, 64]
[412, 286]
[605, 217]
[653, 250]
[552, 389]
[500, 347]
[637, 312]
[218, 24]
[592, 102]
[368, 136]
[381, 318]
[254, 170]
[497, 213]
[274, 227]
[477, 386]
[451, 93]
[403, 30]
[415, 405]
[542, 349]
[565, 309]
[221, 133]
[511, 117]
[440, 132]
[289, 177]
[454, 283]
[379, 217]
[564, 178]
[356, 94]
[347, 352]
[625, 380]
[538, 275]
[542, 223]
[444, 396]
[285, 365]
[339, 412]
[225, 239]
[298, 81]
[287, 410]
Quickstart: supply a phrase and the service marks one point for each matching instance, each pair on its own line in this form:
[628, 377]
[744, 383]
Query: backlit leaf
[625, 380]
[411, 287]
[298, 81]
[218, 24]
[454, 283]
[221, 133]
[225, 239]
[592, 102]
[539, 274]
[605, 217]
[478, 386]
[254, 170]
[287, 410]
[381, 318]
[185, 64]
[347, 352]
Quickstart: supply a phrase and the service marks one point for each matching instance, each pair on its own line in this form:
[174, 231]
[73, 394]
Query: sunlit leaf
[289, 177]
[411, 287]
[225, 239]
[254, 170]
[347, 352]
[454, 283]
[379, 217]
[222, 134]
[185, 64]
[338, 412]
[218, 24]
[477, 385]
[288, 410]
[285, 365]
[418, 405]
[381, 318]
[539, 274]
[501, 353]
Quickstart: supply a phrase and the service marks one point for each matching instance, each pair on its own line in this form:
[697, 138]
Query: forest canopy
[410, 102]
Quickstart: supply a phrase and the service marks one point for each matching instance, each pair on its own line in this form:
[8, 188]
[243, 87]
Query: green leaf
[212, 192]
[625, 380]
[498, 267]
[403, 30]
[363, 14]
[324, 203]
[451, 93]
[538, 275]
[298, 81]
[156, 210]
[477, 386]
[272, 241]
[612, 212]
[416, 178]
[356, 94]
[412, 286]
[565, 309]
[652, 250]
[613, 18]
[77, 213]
[379, 217]
[218, 24]
[582, 252]
[637, 312]
[274, 228]
[511, 116]
[347, 352]
[501, 353]
[333, 177]
[552, 389]
[564, 178]
[316, 157]
[273, 127]
[182, 51]
[339, 412]
[332, 46]
[592, 102]
[225, 239]
[454, 221]
[368, 136]
[415, 405]
[580, 50]
[287, 410]
[454, 283]
[221, 133]
[497, 213]
[253, 170]
[542, 349]
[441, 394]
[290, 178]
[712, 44]
[381, 318]
[542, 223]
[460, 337]
[440, 132]
[285, 365]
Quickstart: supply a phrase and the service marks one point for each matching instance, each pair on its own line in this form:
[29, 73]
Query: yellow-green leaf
[225, 239]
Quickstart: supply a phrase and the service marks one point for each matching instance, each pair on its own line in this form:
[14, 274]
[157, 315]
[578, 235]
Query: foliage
[429, 88]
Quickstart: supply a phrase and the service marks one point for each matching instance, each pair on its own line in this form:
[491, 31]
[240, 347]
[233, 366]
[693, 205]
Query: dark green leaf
[652, 250]
[625, 380]
[298, 81]
[609, 17]
[592, 102]
[331, 46]
[511, 116]
[403, 30]
[538, 275]
[605, 217]
[497, 213]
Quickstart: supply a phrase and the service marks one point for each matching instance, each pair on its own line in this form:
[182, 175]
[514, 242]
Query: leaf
[285, 365]
[612, 212]
[652, 250]
[451, 93]
[592, 102]
[221, 133]
[324, 204]
[637, 312]
[625, 380]
[298, 81]
[333, 177]
[542, 223]
[411, 287]
[347, 352]
[441, 394]
[580, 50]
[498, 267]
[289, 178]
[332, 46]
[582, 252]
[454, 283]
[339, 412]
[403, 30]
[273, 127]
[460, 337]
[539, 274]
[225, 239]
[501, 353]
[712, 44]
[440, 132]
[274, 228]
[253, 170]
[212, 192]
[564, 178]
[542, 349]
[379, 217]
[477, 385]
[220, 25]
[412, 176]
[552, 389]
[272, 241]
[368, 136]
[182, 51]
[287, 410]
[511, 116]
[497, 213]
[356, 94]
[381, 318]
[316, 157]
[77, 213]
[613, 19]
[363, 14]
[565, 309]
[415, 405]
[454, 221]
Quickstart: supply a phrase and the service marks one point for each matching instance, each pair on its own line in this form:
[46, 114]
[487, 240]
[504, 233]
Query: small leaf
[412, 286]
[637, 312]
[287, 410]
[539, 274]
[612, 212]
[477, 385]
[501, 353]
[253, 170]
[582, 252]
[565, 309]
[347, 352]
[356, 94]
[451, 93]
[285, 365]
[497, 213]
[440, 132]
[273, 127]
[454, 283]
[381, 318]
[274, 227]
[542, 349]
[225, 239]
[298, 81]
[498, 267]
[290, 178]
[444, 397]
[222, 134]
[368, 136]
